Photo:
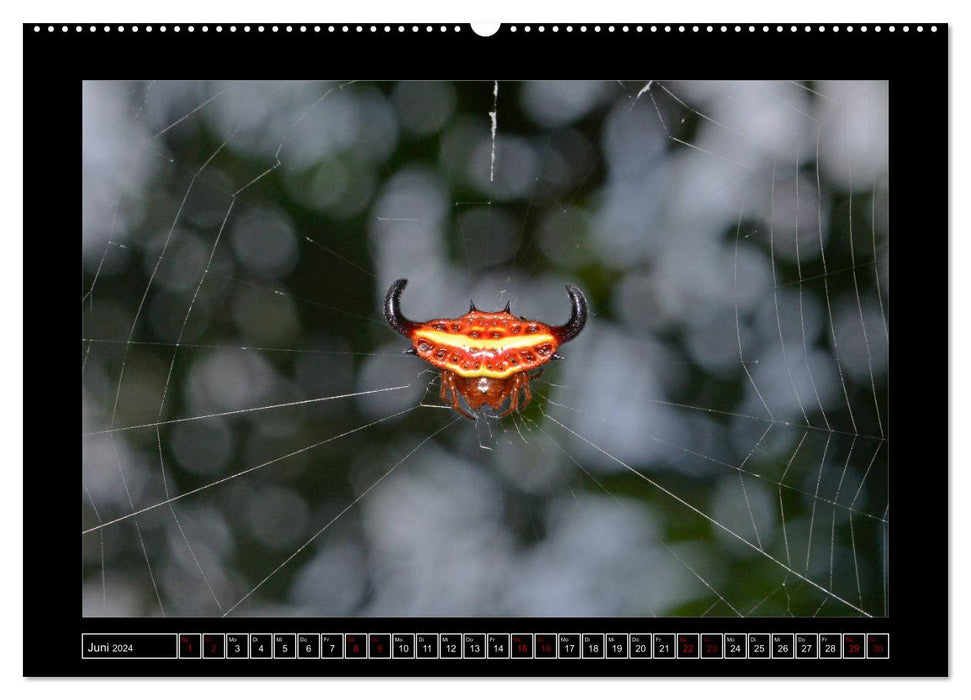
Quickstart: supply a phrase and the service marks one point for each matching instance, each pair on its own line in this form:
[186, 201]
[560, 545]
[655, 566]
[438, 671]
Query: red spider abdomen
[492, 345]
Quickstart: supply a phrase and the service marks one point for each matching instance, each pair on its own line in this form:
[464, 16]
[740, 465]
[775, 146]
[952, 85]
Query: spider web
[255, 442]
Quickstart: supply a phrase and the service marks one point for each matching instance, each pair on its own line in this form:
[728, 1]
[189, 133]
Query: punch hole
[485, 28]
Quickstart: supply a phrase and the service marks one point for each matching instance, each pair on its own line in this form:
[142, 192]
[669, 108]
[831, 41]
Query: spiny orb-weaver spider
[485, 357]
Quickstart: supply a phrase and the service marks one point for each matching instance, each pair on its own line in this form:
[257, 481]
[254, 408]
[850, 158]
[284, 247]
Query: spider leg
[445, 383]
[457, 407]
[450, 393]
[513, 402]
[527, 394]
[521, 382]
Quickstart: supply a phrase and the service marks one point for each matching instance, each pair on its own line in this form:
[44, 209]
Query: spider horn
[392, 309]
[472, 306]
[578, 317]
[507, 307]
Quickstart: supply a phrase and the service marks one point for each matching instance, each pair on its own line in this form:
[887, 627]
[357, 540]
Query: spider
[485, 357]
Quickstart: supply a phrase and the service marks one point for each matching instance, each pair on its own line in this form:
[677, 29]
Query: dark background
[587, 268]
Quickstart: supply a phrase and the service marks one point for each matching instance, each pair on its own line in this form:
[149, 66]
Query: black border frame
[913, 58]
